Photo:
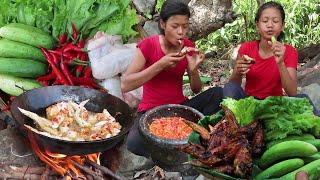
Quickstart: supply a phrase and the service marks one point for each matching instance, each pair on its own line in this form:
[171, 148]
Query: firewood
[103, 169]
[88, 171]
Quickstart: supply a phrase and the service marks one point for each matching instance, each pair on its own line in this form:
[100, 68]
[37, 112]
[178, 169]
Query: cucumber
[313, 169]
[302, 137]
[27, 34]
[280, 169]
[311, 158]
[285, 150]
[15, 86]
[13, 49]
[22, 67]
[273, 39]
[315, 142]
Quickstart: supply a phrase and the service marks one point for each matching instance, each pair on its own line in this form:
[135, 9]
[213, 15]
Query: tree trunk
[208, 16]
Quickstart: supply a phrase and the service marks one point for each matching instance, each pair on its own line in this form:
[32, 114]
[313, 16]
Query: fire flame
[61, 163]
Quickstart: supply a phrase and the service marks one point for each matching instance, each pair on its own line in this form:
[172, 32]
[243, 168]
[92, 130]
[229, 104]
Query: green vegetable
[315, 142]
[273, 39]
[287, 149]
[313, 170]
[280, 169]
[282, 116]
[311, 158]
[22, 67]
[27, 34]
[303, 137]
[12, 49]
[15, 86]
[56, 16]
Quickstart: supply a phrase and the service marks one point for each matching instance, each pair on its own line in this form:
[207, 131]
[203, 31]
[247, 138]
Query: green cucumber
[315, 142]
[13, 49]
[285, 150]
[311, 158]
[302, 137]
[273, 39]
[313, 170]
[280, 169]
[22, 67]
[15, 86]
[27, 34]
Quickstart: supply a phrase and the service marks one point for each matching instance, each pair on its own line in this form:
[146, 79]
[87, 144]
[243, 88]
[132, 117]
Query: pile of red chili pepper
[68, 63]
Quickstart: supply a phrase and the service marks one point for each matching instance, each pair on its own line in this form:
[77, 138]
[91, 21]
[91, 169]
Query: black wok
[37, 100]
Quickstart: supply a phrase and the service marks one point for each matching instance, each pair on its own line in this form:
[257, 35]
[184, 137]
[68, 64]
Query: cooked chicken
[72, 121]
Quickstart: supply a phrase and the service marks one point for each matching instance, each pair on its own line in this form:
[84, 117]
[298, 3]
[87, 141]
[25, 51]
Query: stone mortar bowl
[164, 151]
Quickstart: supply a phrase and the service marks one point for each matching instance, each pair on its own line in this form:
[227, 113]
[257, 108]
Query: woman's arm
[241, 67]
[288, 79]
[195, 81]
[193, 64]
[135, 77]
[288, 74]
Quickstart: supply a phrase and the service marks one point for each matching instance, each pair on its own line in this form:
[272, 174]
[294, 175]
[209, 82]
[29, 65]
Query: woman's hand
[169, 61]
[243, 65]
[278, 50]
[195, 59]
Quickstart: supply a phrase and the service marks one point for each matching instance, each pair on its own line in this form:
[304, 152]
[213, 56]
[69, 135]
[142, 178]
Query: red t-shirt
[263, 78]
[165, 87]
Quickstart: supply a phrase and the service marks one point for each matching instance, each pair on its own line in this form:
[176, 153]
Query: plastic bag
[108, 56]
[113, 85]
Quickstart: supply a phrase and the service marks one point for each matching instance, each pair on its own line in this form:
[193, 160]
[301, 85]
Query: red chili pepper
[74, 31]
[85, 81]
[55, 69]
[87, 72]
[44, 83]
[79, 69]
[63, 38]
[47, 77]
[72, 47]
[81, 43]
[56, 82]
[65, 70]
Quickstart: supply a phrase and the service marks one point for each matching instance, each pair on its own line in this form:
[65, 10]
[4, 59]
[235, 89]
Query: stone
[144, 6]
[151, 27]
[312, 91]
[131, 163]
[14, 150]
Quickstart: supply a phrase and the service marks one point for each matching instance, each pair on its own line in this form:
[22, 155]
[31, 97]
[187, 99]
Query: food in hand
[73, 122]
[183, 51]
[273, 39]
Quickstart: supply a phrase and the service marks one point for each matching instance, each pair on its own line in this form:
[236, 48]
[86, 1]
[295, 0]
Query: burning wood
[71, 167]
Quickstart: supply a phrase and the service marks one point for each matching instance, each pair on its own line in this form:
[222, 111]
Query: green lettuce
[56, 16]
[281, 115]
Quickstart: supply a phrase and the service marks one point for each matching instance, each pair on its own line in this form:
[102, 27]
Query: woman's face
[270, 23]
[175, 28]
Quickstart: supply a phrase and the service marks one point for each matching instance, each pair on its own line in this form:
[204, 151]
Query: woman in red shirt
[268, 67]
[159, 66]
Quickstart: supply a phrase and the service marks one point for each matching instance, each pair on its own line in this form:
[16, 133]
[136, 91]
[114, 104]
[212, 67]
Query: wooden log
[88, 171]
[103, 169]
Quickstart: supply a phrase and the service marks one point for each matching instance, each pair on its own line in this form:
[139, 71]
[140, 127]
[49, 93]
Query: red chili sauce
[170, 128]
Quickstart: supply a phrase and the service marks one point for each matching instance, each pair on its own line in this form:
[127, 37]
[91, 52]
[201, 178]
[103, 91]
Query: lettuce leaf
[281, 115]
[56, 16]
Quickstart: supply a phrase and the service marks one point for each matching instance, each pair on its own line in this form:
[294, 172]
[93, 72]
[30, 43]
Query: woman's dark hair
[272, 4]
[171, 8]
